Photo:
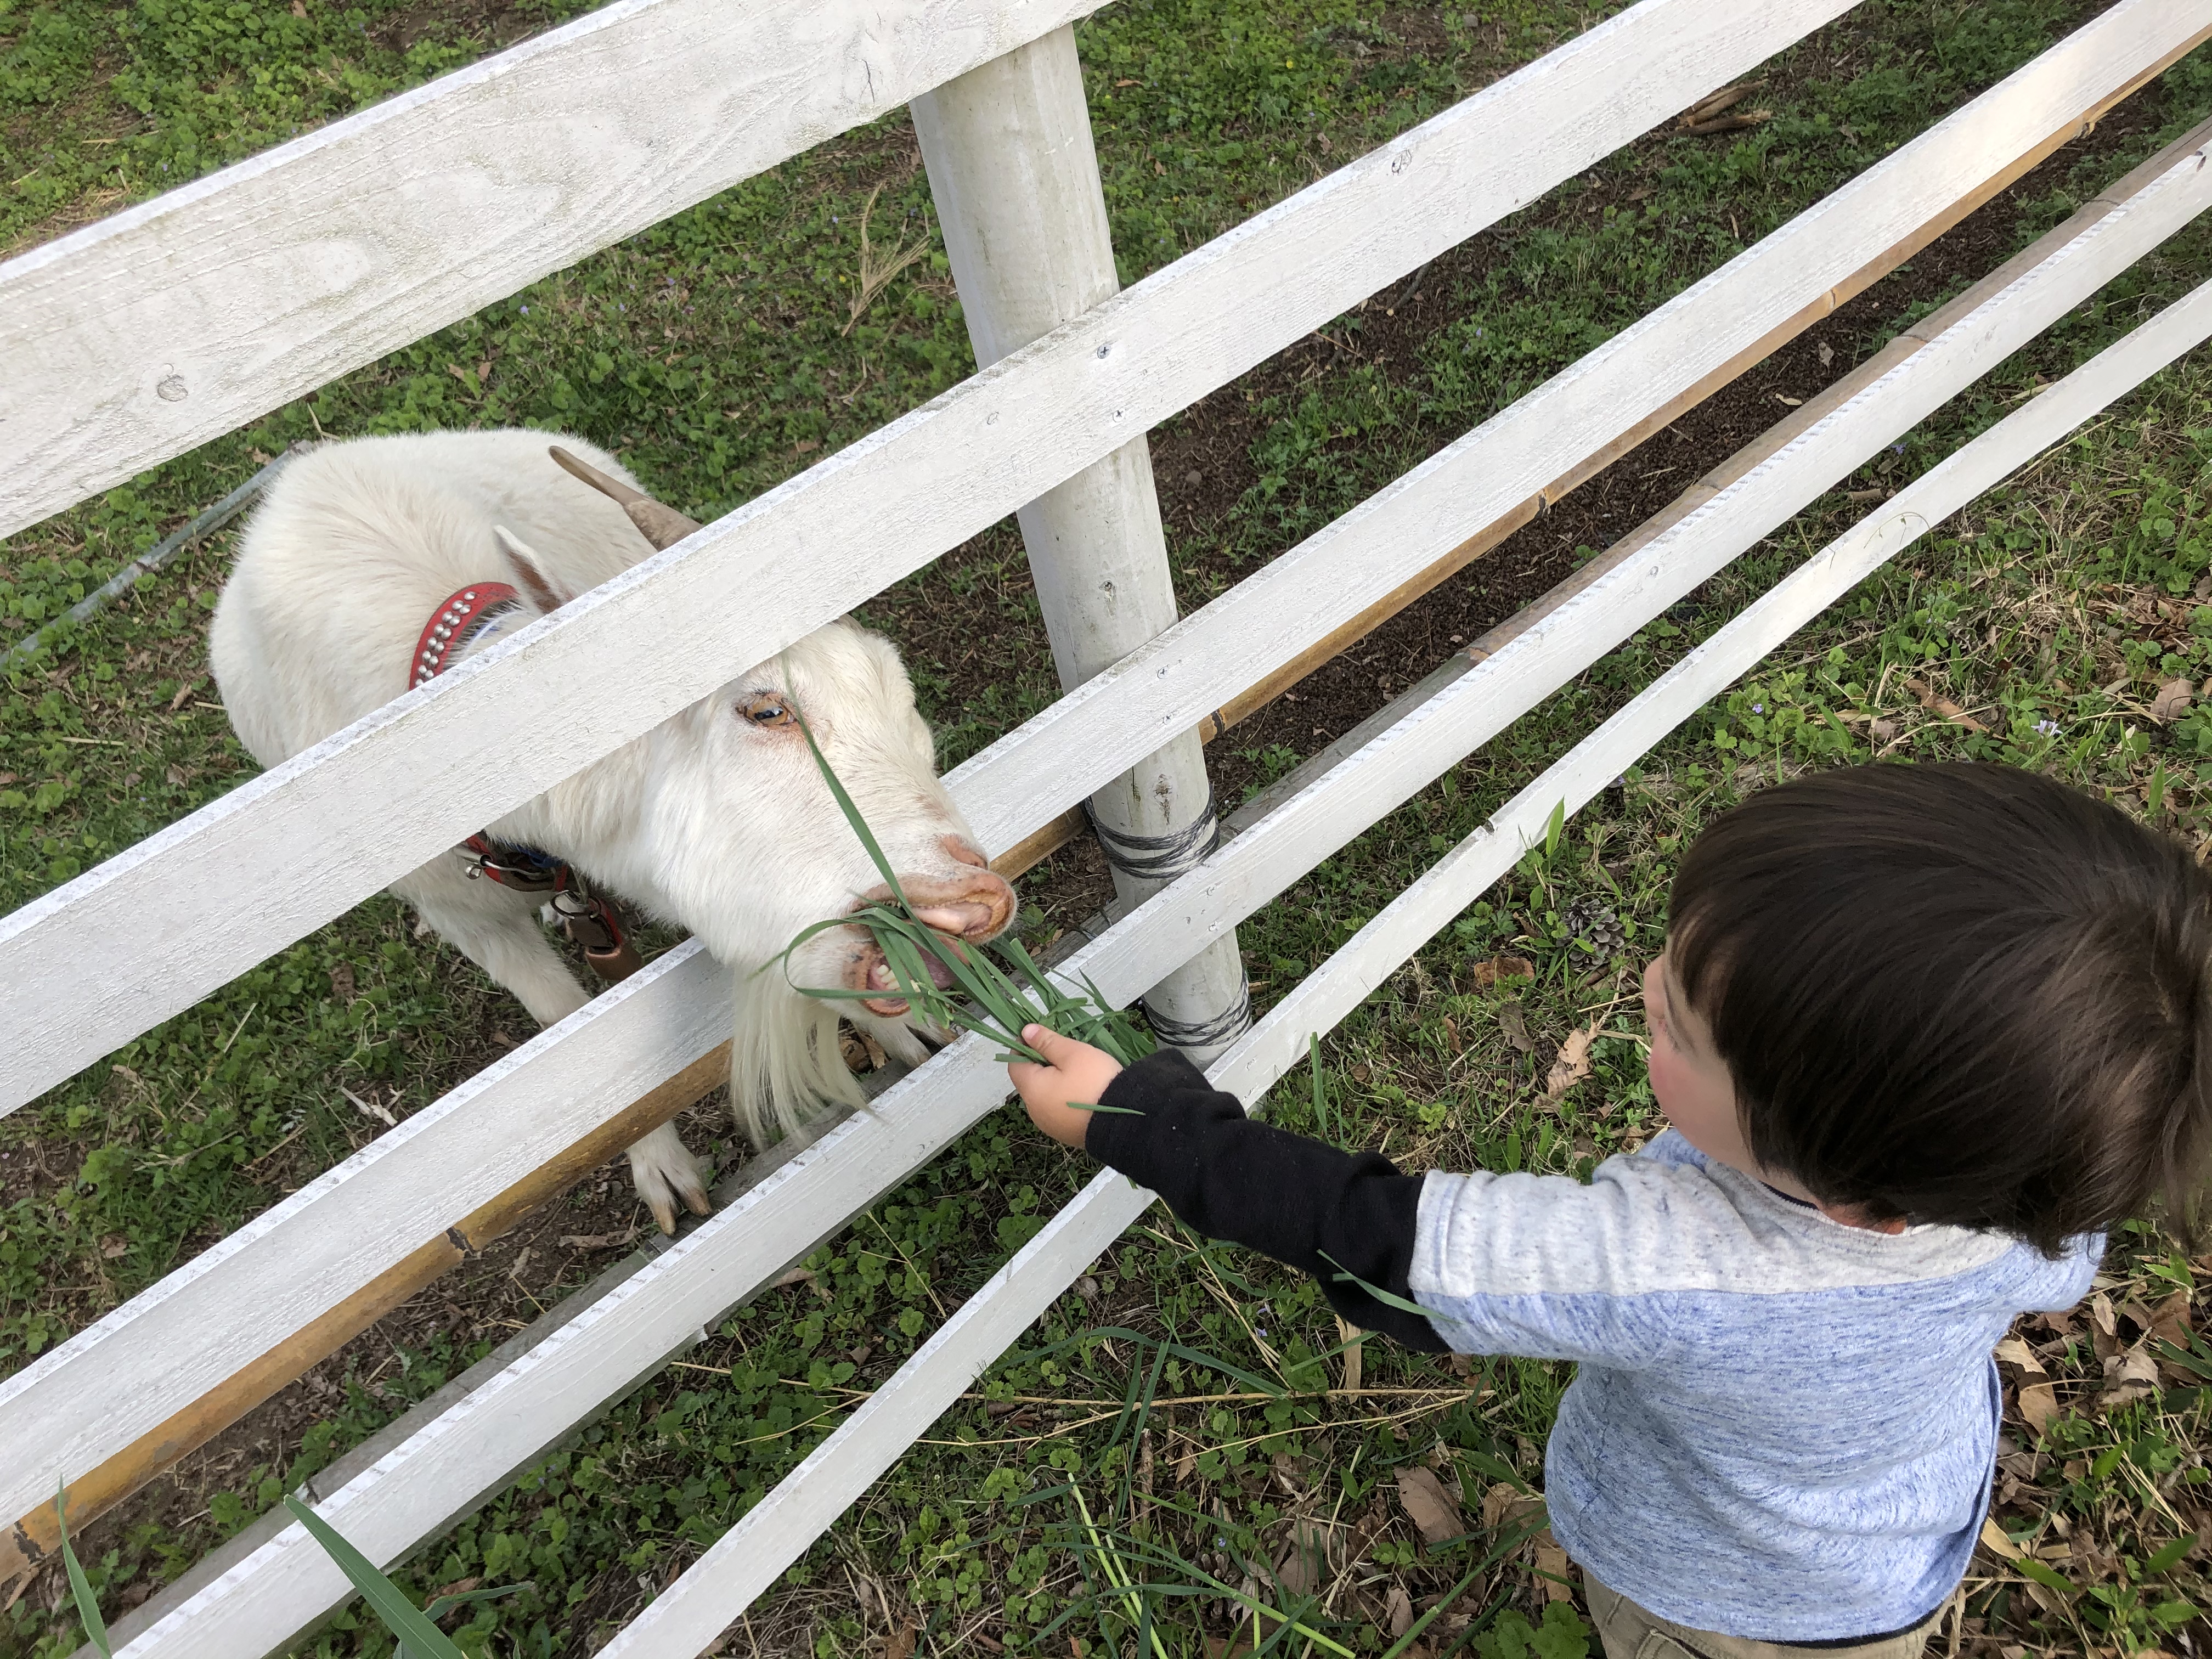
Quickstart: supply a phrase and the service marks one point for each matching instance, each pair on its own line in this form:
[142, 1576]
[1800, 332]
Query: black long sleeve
[1296, 1199]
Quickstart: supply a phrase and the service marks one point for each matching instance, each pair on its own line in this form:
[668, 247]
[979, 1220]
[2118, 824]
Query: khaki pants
[1629, 1632]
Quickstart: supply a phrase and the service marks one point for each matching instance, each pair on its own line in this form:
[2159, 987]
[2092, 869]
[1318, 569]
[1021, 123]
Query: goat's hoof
[665, 1173]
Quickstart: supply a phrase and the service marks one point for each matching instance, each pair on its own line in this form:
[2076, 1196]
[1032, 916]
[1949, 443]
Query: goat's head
[750, 846]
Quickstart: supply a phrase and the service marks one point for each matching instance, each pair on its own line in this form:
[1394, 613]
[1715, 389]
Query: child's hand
[1077, 1072]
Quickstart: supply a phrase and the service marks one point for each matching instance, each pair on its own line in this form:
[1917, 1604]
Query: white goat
[716, 820]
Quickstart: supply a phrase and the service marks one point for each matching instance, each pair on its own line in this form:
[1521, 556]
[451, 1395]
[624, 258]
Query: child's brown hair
[1959, 994]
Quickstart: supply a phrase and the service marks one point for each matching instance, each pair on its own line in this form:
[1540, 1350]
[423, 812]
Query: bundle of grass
[992, 989]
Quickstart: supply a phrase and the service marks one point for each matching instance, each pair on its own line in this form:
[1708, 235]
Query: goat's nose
[959, 848]
[958, 920]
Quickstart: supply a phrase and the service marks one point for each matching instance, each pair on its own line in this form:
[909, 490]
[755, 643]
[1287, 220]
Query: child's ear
[530, 568]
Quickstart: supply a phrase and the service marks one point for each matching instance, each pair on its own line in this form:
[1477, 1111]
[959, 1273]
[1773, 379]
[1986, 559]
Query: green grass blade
[852, 812]
[416, 1635]
[88, 1604]
[1388, 1299]
[1319, 1095]
[441, 1605]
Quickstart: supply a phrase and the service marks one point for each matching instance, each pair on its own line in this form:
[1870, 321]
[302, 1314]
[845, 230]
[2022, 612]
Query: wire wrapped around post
[1212, 1033]
[1160, 858]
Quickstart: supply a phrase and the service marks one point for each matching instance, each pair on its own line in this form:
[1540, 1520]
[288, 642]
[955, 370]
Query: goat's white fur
[707, 821]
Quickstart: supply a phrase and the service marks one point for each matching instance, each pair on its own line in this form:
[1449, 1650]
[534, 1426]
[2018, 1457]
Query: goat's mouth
[869, 969]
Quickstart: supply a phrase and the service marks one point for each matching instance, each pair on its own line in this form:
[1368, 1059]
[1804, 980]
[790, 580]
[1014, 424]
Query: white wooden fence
[353, 248]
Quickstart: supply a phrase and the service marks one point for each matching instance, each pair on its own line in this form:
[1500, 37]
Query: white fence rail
[150, 931]
[134, 339]
[93, 1396]
[609, 1347]
[261, 282]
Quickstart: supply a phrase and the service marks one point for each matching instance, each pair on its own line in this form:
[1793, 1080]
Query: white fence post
[1016, 183]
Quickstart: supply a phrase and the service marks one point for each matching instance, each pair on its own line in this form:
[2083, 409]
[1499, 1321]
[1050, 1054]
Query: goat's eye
[766, 708]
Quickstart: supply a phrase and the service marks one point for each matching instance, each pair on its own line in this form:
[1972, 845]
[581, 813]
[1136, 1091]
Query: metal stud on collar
[453, 623]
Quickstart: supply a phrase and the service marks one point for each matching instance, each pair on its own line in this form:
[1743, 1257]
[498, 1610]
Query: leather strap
[585, 917]
[451, 624]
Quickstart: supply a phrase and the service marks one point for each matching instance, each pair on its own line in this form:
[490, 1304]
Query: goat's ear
[532, 569]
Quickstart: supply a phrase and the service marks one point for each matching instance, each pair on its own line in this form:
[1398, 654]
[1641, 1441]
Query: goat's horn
[664, 526]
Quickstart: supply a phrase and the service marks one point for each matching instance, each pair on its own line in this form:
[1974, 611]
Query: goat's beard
[787, 1066]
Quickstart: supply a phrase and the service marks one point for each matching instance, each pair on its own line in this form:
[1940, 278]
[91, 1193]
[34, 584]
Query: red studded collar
[457, 617]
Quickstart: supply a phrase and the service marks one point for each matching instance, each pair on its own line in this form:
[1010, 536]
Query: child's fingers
[1058, 1050]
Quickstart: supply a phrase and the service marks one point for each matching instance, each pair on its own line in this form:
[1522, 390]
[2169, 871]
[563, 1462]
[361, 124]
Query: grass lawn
[720, 353]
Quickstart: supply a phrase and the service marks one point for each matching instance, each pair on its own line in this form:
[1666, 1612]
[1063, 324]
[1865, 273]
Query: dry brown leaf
[2013, 1351]
[2169, 1321]
[1754, 118]
[1488, 973]
[2171, 702]
[1398, 1610]
[901, 1645]
[1937, 704]
[2128, 1377]
[1305, 1561]
[112, 1246]
[2039, 1406]
[1573, 1062]
[1423, 1497]
[1551, 1565]
[1882, 731]
[2048, 1599]
[341, 982]
[596, 1241]
[792, 1276]
[1504, 1504]
[1515, 1027]
[1714, 102]
[1352, 1336]
[2100, 1314]
[1995, 1541]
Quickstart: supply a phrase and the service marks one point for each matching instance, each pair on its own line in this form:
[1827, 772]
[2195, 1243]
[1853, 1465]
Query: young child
[1922, 1033]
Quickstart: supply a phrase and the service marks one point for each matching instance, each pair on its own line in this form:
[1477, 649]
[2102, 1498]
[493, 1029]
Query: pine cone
[1595, 923]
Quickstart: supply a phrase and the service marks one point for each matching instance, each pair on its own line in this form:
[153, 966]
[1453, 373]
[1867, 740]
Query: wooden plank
[1355, 568]
[199, 1345]
[231, 1321]
[149, 931]
[1040, 843]
[471, 1450]
[689, 1615]
[172, 323]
